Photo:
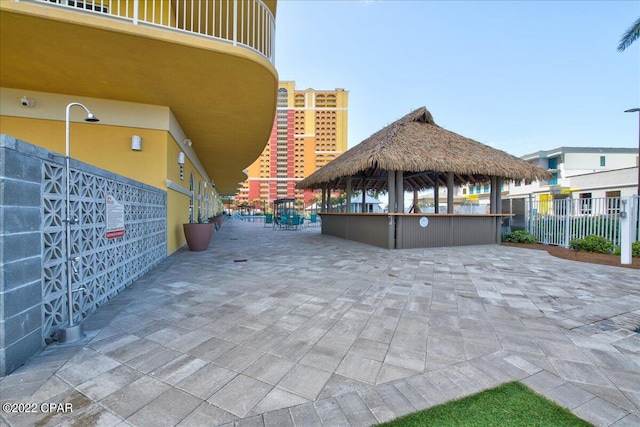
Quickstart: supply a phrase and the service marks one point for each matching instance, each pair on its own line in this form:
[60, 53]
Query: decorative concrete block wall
[33, 298]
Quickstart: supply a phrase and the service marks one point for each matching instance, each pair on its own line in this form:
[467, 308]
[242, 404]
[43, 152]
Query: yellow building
[309, 130]
[149, 72]
[185, 92]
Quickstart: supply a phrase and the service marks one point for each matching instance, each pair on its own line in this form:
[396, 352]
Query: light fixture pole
[71, 332]
[637, 110]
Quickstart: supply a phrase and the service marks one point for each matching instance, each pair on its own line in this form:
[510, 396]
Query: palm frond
[632, 34]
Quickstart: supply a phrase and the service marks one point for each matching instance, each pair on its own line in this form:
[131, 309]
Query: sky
[519, 76]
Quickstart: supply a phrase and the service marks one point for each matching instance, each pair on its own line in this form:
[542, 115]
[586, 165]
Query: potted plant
[198, 234]
[217, 220]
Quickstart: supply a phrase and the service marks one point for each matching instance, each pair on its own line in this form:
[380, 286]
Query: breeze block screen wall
[33, 252]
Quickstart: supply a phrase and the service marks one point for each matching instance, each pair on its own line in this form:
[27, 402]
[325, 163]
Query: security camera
[27, 102]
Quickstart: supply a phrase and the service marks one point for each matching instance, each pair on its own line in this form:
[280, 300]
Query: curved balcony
[248, 23]
[210, 62]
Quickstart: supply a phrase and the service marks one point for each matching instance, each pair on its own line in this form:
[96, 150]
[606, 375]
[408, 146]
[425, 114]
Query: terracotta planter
[217, 220]
[198, 235]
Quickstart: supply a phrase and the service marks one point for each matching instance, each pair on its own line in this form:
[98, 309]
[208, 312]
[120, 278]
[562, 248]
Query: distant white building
[371, 204]
[566, 164]
[577, 172]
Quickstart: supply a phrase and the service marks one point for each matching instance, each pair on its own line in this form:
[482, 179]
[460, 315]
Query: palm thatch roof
[425, 152]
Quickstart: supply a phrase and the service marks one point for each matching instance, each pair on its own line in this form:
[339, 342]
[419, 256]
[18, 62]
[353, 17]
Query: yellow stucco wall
[108, 146]
[103, 146]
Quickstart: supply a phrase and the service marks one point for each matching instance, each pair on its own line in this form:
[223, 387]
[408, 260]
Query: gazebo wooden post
[399, 192]
[415, 207]
[347, 201]
[364, 200]
[323, 203]
[449, 192]
[391, 188]
[329, 207]
[436, 193]
[400, 209]
[492, 196]
[498, 208]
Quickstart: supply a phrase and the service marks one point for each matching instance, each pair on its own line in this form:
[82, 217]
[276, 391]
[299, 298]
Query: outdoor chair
[268, 220]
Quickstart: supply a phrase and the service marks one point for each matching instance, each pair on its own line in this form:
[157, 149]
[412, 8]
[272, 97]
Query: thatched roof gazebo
[426, 152]
[414, 153]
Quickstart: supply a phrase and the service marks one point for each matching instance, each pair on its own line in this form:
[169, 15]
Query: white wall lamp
[136, 142]
[181, 163]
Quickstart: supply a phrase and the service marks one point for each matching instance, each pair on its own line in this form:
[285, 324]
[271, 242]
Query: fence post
[567, 222]
[136, 6]
[627, 233]
[530, 217]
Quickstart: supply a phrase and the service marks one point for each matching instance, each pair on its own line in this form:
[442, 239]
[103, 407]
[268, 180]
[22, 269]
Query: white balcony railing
[247, 23]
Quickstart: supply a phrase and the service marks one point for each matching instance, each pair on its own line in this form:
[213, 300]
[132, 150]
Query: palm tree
[630, 36]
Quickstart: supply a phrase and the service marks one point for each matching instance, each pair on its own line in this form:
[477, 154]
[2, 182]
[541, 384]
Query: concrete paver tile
[279, 418]
[305, 381]
[569, 395]
[330, 413]
[359, 368]
[178, 369]
[86, 364]
[207, 414]
[204, 382]
[338, 385]
[153, 359]
[323, 357]
[377, 406]
[305, 416]
[580, 372]
[269, 369]
[356, 411]
[109, 382]
[169, 408]
[132, 397]
[240, 395]
[599, 412]
[277, 399]
[543, 381]
[238, 359]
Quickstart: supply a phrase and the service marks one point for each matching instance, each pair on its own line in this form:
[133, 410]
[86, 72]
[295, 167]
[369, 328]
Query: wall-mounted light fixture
[181, 163]
[136, 143]
[187, 142]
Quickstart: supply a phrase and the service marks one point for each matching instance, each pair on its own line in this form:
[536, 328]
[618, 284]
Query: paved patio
[293, 328]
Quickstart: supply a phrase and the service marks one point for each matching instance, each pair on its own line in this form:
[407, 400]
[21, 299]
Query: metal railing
[557, 222]
[247, 23]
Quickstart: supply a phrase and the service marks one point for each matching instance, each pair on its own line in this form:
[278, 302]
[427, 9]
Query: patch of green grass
[511, 404]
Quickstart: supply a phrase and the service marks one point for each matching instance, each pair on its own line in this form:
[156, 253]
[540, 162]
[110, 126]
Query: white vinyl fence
[557, 222]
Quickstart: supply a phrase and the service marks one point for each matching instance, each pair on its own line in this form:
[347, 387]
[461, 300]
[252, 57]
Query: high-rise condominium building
[309, 130]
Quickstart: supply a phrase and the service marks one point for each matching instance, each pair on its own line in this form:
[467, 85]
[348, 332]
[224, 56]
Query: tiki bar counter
[414, 154]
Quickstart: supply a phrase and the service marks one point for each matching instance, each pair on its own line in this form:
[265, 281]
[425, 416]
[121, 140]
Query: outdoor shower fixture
[71, 332]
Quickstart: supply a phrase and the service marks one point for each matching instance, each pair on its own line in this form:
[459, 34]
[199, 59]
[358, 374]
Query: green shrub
[592, 243]
[635, 250]
[519, 236]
